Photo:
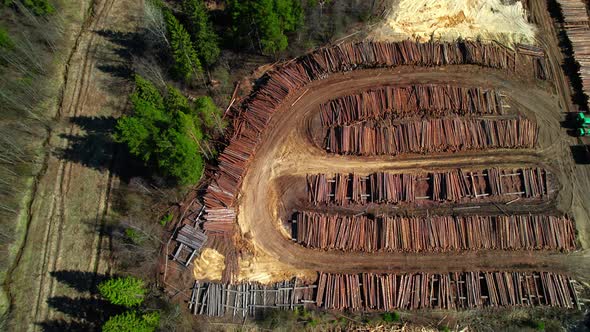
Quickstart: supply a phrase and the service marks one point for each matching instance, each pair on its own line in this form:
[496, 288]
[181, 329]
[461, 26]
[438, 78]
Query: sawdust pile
[447, 20]
[209, 265]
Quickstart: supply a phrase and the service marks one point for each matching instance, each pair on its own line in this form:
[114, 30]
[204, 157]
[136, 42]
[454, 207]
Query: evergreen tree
[146, 91]
[205, 40]
[131, 321]
[167, 132]
[186, 62]
[265, 21]
[128, 291]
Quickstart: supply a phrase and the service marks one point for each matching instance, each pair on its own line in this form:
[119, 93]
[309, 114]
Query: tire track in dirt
[68, 210]
[70, 108]
[83, 86]
[287, 149]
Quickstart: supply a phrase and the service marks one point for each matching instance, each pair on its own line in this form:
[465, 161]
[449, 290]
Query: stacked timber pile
[575, 22]
[217, 299]
[398, 102]
[540, 65]
[293, 75]
[574, 13]
[433, 233]
[385, 292]
[432, 135]
[451, 186]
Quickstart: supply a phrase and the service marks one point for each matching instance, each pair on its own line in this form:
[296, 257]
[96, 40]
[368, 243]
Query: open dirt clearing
[288, 151]
[71, 200]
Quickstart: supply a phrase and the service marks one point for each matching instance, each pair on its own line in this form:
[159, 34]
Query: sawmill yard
[391, 174]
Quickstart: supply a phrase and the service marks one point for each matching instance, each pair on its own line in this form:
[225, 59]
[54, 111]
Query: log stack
[398, 102]
[431, 135]
[243, 299]
[433, 233]
[576, 24]
[258, 109]
[466, 290]
[454, 186]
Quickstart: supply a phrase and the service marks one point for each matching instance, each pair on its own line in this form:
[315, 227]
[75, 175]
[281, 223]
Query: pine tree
[132, 321]
[265, 21]
[165, 132]
[186, 61]
[127, 291]
[205, 40]
[145, 90]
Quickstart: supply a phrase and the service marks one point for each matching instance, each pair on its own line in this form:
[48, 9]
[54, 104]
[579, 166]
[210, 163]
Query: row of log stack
[256, 112]
[576, 24]
[220, 299]
[430, 135]
[433, 233]
[465, 290]
[574, 12]
[398, 102]
[455, 185]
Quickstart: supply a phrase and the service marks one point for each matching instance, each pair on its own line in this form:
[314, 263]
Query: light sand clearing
[489, 20]
[260, 268]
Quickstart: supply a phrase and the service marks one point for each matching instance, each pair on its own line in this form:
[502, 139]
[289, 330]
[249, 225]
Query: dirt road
[288, 150]
[65, 251]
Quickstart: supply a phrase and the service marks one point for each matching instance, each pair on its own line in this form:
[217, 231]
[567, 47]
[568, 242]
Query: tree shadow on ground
[96, 149]
[581, 154]
[60, 325]
[126, 46]
[92, 311]
[93, 149]
[82, 281]
[81, 313]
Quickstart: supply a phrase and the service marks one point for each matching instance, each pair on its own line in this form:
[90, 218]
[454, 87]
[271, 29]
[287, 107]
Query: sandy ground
[491, 20]
[288, 152]
[272, 188]
[71, 200]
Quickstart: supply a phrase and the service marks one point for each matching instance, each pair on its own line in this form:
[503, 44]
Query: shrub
[390, 317]
[313, 323]
[5, 40]
[38, 7]
[125, 291]
[166, 219]
[133, 236]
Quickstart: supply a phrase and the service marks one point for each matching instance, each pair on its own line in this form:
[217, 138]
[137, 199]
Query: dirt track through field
[288, 152]
[65, 249]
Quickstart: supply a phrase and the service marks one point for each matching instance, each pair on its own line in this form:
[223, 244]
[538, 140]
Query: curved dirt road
[288, 151]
